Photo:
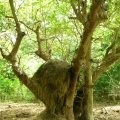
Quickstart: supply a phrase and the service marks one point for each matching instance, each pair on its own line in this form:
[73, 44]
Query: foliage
[12, 90]
[108, 83]
[60, 34]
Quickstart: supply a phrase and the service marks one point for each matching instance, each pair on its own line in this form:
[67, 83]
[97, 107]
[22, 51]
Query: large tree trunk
[83, 103]
[87, 105]
[89, 26]
[87, 113]
[52, 81]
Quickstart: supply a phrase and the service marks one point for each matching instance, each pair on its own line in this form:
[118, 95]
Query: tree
[55, 76]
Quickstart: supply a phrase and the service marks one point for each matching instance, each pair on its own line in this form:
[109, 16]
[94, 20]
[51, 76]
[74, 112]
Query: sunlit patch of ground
[107, 112]
[17, 111]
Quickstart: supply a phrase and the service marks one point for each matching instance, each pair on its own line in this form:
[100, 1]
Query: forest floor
[28, 111]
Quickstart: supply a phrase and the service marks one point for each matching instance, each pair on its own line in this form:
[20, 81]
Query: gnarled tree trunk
[52, 81]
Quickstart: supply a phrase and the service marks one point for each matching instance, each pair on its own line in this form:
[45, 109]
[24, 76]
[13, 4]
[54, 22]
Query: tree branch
[73, 6]
[39, 40]
[89, 28]
[27, 26]
[112, 46]
[39, 52]
[80, 11]
[25, 79]
[20, 73]
[14, 16]
[12, 56]
[20, 34]
[79, 59]
[109, 60]
[17, 44]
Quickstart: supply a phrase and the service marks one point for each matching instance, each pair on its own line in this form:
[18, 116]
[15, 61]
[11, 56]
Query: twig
[27, 26]
[14, 16]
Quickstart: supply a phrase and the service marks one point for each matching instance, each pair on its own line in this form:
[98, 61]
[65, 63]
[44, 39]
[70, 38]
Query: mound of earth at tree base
[52, 81]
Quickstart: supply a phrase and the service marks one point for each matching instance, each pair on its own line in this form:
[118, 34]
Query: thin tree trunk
[87, 113]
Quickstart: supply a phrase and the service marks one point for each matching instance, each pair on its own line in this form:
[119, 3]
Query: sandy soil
[107, 112]
[18, 111]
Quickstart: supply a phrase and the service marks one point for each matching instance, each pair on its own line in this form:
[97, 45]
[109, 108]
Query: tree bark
[87, 106]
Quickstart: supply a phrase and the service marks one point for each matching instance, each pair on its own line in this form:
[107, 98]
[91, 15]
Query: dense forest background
[106, 87]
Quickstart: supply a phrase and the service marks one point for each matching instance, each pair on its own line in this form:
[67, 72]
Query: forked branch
[20, 35]
[98, 11]
[39, 52]
[11, 57]
[109, 59]
[89, 27]
[80, 10]
[14, 16]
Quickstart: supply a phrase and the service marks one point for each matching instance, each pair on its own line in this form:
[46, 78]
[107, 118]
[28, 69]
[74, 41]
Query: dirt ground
[29, 111]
